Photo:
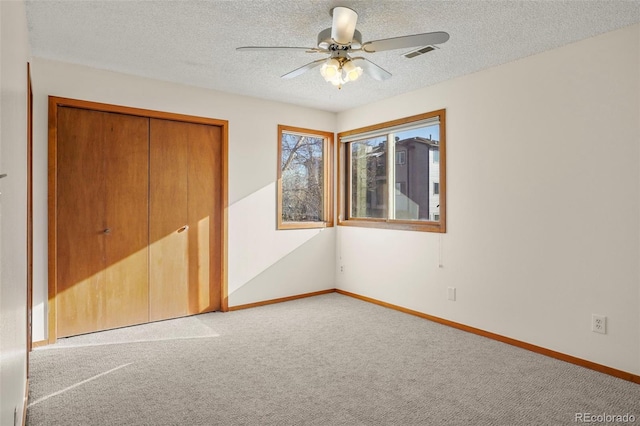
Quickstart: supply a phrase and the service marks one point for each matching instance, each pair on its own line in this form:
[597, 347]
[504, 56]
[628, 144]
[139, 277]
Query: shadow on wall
[254, 243]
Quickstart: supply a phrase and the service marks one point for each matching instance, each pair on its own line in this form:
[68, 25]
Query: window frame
[344, 190]
[328, 159]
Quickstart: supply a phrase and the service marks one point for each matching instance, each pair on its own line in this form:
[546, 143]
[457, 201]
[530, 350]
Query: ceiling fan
[341, 40]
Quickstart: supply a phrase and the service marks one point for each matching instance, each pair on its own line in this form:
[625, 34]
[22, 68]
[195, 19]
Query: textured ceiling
[193, 42]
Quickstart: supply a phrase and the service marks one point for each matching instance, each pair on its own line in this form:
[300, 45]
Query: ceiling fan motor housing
[326, 42]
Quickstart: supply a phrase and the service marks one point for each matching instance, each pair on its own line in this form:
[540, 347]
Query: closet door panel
[80, 214]
[102, 220]
[127, 218]
[205, 239]
[169, 233]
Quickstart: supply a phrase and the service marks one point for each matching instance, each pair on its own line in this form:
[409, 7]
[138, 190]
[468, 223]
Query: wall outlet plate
[599, 324]
[451, 293]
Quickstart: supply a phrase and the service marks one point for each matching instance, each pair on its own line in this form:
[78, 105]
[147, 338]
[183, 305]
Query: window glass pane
[369, 178]
[393, 176]
[302, 178]
[417, 180]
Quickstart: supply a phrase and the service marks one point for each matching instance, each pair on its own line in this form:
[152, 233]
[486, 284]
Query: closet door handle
[184, 228]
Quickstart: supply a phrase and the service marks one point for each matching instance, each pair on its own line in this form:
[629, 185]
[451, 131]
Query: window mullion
[324, 180]
[391, 176]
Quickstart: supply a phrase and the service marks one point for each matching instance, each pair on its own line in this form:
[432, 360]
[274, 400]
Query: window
[393, 174]
[304, 184]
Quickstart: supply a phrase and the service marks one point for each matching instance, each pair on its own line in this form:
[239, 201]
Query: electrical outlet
[599, 324]
[451, 293]
[341, 268]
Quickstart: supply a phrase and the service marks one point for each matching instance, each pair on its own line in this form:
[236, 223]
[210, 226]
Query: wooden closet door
[185, 213]
[205, 213]
[102, 222]
[168, 220]
[127, 217]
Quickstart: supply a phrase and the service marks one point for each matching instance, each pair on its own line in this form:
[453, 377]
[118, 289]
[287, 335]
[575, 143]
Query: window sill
[437, 227]
[304, 225]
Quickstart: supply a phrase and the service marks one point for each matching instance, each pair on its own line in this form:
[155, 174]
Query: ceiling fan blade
[304, 68]
[344, 24]
[405, 42]
[268, 48]
[376, 72]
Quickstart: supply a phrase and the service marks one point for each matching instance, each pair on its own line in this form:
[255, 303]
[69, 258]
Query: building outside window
[394, 174]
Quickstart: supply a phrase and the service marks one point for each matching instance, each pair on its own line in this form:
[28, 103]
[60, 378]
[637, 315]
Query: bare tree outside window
[302, 178]
[303, 175]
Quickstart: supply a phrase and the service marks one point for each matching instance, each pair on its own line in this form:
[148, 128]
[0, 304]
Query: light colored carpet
[180, 328]
[325, 360]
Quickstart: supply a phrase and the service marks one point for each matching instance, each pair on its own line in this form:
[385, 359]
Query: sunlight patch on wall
[254, 242]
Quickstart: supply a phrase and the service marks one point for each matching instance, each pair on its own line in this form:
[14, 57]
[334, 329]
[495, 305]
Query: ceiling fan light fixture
[340, 71]
[330, 69]
[344, 25]
[336, 79]
[351, 71]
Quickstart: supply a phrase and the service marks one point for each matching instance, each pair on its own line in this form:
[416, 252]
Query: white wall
[14, 52]
[263, 263]
[534, 147]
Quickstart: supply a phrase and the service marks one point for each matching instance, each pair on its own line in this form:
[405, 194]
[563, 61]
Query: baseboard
[39, 343]
[520, 344]
[239, 307]
[524, 345]
[25, 403]
[280, 300]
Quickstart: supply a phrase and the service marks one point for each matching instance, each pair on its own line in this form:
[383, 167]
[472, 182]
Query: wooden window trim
[327, 180]
[344, 201]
